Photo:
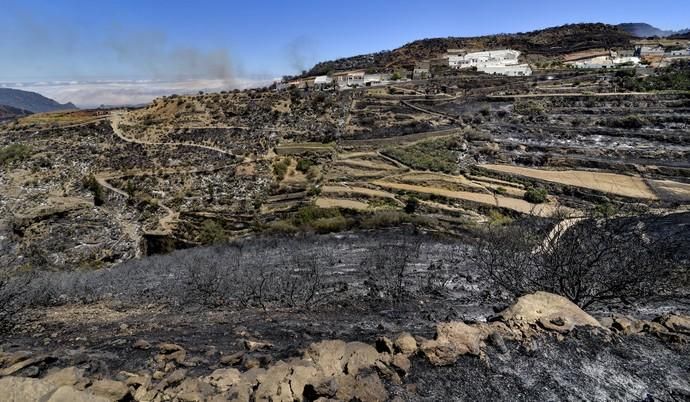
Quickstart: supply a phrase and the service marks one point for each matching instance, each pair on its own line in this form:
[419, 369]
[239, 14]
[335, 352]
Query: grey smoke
[150, 55]
[301, 53]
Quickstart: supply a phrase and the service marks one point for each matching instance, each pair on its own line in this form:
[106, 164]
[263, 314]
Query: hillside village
[504, 62]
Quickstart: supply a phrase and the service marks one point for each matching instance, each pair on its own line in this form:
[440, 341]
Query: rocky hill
[644, 30]
[546, 42]
[31, 101]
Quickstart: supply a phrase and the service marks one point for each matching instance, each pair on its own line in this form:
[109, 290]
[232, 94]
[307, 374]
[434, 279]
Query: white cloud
[118, 93]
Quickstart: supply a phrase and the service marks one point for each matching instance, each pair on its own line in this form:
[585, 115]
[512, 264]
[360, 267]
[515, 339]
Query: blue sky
[108, 39]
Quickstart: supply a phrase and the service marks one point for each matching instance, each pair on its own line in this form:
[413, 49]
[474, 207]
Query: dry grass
[514, 204]
[324, 202]
[612, 183]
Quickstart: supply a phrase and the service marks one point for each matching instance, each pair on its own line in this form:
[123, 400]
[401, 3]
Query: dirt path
[116, 120]
[168, 222]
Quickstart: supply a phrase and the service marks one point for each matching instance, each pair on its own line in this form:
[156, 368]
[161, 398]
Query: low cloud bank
[119, 93]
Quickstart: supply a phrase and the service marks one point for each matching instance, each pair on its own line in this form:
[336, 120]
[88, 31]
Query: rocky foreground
[542, 347]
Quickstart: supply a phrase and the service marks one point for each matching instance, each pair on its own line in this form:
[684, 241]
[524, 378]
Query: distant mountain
[546, 42]
[9, 112]
[31, 101]
[644, 30]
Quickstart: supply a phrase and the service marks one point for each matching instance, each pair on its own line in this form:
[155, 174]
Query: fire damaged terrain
[368, 316]
[463, 237]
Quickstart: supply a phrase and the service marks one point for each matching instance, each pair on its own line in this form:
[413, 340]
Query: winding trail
[168, 222]
[116, 120]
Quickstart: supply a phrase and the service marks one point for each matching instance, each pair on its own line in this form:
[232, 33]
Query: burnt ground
[583, 366]
[93, 319]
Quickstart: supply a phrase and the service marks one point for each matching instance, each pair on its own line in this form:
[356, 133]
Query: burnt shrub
[589, 260]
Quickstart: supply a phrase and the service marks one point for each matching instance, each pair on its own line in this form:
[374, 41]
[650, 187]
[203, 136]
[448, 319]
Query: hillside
[551, 42]
[644, 30]
[30, 101]
[9, 112]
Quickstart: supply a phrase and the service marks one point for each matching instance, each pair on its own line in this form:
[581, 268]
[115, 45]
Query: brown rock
[178, 356]
[274, 384]
[402, 364]
[676, 323]
[551, 311]
[66, 376]
[359, 356]
[363, 388]
[22, 364]
[109, 389]
[8, 359]
[453, 339]
[169, 347]
[388, 373]
[174, 378]
[233, 359]
[303, 374]
[251, 362]
[231, 382]
[69, 394]
[406, 344]
[253, 346]
[627, 325]
[158, 375]
[327, 356]
[142, 344]
[20, 389]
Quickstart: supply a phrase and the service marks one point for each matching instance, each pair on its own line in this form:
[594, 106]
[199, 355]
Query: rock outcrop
[326, 370]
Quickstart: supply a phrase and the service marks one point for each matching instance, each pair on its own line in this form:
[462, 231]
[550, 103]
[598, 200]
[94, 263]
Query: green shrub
[280, 168]
[212, 232]
[307, 215]
[530, 108]
[327, 225]
[536, 195]
[303, 165]
[14, 153]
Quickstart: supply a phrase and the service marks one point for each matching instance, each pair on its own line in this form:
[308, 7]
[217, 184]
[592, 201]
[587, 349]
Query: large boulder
[19, 389]
[405, 344]
[676, 323]
[453, 339]
[110, 390]
[337, 357]
[550, 311]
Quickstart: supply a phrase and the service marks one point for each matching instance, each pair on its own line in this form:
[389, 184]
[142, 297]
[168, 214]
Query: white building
[604, 62]
[513, 70]
[322, 80]
[503, 57]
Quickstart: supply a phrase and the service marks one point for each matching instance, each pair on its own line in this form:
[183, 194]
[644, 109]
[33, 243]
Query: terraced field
[190, 170]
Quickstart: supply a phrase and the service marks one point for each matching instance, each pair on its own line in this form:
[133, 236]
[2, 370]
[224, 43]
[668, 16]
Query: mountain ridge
[31, 101]
[645, 30]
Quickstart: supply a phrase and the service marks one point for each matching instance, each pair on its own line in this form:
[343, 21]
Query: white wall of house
[514, 70]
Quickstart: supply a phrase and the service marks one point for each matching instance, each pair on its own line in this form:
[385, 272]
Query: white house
[604, 61]
[513, 70]
[322, 80]
[349, 78]
[502, 57]
[374, 79]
